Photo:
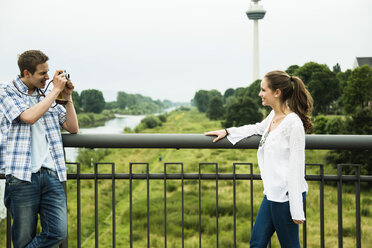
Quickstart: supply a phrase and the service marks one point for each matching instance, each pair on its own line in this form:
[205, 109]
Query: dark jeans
[45, 196]
[275, 217]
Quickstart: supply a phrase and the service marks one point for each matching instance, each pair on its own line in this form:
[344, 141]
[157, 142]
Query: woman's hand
[219, 133]
[298, 221]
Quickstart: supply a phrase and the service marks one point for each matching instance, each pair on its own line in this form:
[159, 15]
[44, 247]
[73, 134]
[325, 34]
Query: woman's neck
[281, 110]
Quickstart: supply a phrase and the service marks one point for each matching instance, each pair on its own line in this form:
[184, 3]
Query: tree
[253, 90]
[201, 100]
[291, 70]
[306, 71]
[122, 99]
[92, 101]
[325, 89]
[322, 84]
[358, 91]
[216, 110]
[336, 68]
[229, 92]
[360, 123]
[320, 125]
[244, 110]
[343, 77]
[76, 99]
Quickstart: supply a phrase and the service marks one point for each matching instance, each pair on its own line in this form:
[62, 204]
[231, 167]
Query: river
[114, 126]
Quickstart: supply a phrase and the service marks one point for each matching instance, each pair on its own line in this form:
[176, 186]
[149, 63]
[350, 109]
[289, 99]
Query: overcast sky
[169, 49]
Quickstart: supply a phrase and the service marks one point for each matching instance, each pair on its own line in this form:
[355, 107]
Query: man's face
[39, 78]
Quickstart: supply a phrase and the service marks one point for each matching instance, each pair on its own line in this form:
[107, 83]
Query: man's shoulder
[6, 86]
[7, 89]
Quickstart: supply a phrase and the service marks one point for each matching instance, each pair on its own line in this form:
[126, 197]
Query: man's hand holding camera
[62, 83]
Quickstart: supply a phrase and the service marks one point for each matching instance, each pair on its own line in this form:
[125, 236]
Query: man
[31, 151]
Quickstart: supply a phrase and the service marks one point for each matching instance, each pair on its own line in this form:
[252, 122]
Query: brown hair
[30, 59]
[294, 92]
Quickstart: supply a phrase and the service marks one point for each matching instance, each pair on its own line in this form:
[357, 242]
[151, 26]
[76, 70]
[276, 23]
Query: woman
[281, 157]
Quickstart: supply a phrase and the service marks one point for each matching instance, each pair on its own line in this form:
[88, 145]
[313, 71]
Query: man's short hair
[30, 59]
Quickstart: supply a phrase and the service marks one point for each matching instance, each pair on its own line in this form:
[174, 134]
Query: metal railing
[180, 141]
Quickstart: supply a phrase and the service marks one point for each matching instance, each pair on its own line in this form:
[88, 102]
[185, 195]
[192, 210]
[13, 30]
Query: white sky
[169, 49]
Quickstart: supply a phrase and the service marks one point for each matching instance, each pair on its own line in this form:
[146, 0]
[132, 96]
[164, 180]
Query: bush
[162, 118]
[330, 125]
[87, 157]
[336, 125]
[320, 124]
[150, 121]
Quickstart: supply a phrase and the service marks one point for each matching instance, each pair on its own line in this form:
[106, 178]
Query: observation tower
[255, 12]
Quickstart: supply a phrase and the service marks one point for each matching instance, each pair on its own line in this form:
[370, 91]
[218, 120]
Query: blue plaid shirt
[15, 135]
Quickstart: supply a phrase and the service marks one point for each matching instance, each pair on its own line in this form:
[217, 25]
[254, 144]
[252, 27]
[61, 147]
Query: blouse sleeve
[238, 133]
[296, 171]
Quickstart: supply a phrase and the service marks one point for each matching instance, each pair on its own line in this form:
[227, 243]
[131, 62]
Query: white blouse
[281, 159]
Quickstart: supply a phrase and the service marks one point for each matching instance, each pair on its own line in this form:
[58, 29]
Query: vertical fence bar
[321, 206]
[113, 207]
[217, 231]
[165, 202]
[78, 204]
[217, 213]
[357, 203]
[165, 205]
[322, 235]
[78, 196]
[234, 195]
[64, 244]
[183, 210]
[131, 201]
[234, 201]
[130, 206]
[8, 229]
[199, 208]
[339, 204]
[96, 205]
[148, 204]
[251, 171]
[357, 207]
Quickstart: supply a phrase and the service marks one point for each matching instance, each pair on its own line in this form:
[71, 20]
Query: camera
[67, 76]
[60, 99]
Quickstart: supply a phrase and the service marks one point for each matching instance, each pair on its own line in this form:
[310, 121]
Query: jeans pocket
[12, 180]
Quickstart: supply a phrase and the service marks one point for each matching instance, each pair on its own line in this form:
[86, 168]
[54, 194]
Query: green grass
[194, 122]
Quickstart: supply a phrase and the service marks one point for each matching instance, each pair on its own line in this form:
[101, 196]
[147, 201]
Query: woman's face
[267, 95]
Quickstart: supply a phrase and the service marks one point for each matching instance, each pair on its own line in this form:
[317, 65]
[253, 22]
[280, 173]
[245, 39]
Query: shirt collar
[21, 85]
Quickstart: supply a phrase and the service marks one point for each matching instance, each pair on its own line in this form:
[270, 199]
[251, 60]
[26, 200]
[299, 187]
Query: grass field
[194, 122]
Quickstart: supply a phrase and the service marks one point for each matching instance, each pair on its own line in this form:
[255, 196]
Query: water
[114, 126]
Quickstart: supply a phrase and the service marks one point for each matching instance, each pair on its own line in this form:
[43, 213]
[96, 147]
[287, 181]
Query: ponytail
[301, 102]
[294, 93]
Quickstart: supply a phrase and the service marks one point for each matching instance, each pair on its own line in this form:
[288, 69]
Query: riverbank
[93, 119]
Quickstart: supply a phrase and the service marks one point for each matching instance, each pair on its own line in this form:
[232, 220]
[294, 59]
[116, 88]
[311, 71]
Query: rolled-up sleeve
[12, 104]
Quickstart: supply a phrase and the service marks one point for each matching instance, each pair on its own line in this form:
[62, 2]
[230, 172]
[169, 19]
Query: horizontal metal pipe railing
[197, 141]
[191, 176]
[327, 142]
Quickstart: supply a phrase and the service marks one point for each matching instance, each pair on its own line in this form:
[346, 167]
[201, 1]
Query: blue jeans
[45, 196]
[274, 217]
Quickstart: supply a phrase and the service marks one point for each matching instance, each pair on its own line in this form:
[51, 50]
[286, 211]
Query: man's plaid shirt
[15, 135]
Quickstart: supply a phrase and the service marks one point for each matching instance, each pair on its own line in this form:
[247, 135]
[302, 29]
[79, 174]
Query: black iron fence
[197, 141]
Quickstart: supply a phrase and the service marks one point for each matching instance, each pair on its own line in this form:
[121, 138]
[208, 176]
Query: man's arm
[71, 124]
[34, 113]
